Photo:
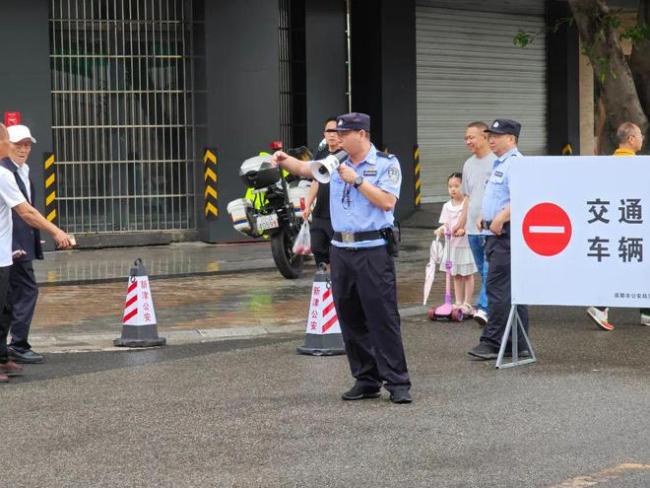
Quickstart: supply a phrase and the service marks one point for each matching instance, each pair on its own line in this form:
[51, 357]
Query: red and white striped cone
[323, 335]
[139, 320]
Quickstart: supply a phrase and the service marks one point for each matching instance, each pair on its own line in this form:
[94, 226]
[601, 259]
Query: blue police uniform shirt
[351, 211]
[497, 189]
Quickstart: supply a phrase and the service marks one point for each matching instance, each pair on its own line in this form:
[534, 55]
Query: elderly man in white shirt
[11, 198]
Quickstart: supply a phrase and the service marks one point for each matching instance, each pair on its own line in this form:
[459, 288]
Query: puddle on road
[250, 299]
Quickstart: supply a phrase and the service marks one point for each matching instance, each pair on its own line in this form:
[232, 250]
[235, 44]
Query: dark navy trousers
[365, 295]
[4, 312]
[497, 252]
[22, 297]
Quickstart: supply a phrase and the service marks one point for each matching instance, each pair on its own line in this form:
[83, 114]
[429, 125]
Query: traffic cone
[323, 334]
[139, 320]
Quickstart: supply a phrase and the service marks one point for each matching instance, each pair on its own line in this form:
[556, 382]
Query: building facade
[128, 94]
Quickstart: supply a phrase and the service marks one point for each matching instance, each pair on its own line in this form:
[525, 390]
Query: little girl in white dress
[457, 246]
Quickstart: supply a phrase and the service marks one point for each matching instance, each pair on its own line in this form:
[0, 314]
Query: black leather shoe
[25, 357]
[360, 392]
[484, 352]
[401, 396]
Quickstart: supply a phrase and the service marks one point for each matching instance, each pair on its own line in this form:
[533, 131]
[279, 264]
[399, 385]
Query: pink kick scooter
[446, 311]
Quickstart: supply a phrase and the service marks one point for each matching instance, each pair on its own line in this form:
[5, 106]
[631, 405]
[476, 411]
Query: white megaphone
[323, 168]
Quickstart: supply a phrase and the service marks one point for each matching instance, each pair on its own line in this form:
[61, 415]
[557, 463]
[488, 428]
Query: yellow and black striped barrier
[567, 150]
[417, 180]
[49, 176]
[211, 209]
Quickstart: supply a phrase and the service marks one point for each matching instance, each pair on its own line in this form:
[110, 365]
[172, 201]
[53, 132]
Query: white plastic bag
[302, 245]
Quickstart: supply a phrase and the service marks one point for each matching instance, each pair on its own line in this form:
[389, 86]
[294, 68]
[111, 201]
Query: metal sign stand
[514, 333]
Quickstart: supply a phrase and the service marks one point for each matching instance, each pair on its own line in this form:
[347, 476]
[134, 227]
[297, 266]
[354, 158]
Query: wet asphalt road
[251, 300]
[252, 413]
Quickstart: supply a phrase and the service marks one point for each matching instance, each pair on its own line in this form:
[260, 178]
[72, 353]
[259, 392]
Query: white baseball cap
[19, 132]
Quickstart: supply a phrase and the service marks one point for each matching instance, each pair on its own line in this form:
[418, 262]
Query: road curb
[68, 343]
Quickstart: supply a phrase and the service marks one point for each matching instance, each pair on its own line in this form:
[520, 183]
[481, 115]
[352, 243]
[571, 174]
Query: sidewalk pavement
[201, 291]
[86, 266]
[91, 266]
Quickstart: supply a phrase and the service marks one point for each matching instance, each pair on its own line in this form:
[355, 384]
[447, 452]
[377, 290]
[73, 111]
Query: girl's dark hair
[455, 174]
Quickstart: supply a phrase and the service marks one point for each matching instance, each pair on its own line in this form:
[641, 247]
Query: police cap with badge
[504, 126]
[353, 121]
[322, 170]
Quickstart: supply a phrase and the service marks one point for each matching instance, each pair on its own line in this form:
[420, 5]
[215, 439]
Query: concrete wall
[25, 81]
[325, 48]
[366, 61]
[399, 92]
[237, 82]
[238, 73]
[384, 80]
[563, 66]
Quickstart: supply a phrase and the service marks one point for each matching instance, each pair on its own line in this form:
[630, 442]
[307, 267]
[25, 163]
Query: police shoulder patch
[394, 174]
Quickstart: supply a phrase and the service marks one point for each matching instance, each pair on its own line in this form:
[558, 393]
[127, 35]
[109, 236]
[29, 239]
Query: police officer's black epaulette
[385, 155]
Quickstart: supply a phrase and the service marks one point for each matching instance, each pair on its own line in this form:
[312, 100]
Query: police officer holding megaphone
[364, 188]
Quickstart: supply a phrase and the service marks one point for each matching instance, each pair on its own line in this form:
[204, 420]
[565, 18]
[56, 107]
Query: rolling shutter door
[469, 69]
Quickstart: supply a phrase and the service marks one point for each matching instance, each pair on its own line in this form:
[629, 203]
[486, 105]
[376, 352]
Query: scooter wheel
[457, 315]
[432, 314]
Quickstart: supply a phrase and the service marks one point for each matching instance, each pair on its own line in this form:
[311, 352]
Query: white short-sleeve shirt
[10, 196]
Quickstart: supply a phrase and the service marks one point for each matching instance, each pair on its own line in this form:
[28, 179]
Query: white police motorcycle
[272, 209]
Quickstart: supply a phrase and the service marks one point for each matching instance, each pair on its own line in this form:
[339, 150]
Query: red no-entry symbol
[547, 229]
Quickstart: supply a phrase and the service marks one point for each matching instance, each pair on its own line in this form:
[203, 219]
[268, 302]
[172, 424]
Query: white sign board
[580, 230]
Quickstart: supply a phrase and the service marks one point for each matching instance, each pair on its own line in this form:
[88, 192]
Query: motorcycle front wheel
[288, 263]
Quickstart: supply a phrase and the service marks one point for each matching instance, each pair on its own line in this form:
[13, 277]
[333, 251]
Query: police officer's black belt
[357, 236]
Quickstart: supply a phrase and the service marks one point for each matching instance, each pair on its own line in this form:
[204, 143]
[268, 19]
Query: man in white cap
[26, 246]
[13, 199]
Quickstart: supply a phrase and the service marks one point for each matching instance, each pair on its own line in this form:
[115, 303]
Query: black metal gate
[122, 79]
